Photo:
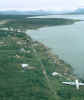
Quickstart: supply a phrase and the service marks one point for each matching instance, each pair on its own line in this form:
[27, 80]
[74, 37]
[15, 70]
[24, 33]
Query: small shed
[24, 65]
[55, 74]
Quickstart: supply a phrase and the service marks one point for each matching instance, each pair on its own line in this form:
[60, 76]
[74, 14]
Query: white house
[24, 65]
[55, 74]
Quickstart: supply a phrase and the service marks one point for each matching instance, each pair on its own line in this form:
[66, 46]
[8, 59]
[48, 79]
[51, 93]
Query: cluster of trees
[24, 23]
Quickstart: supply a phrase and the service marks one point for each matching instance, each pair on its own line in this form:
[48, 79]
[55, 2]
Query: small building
[27, 67]
[1, 43]
[55, 74]
[28, 51]
[22, 50]
[24, 65]
[17, 56]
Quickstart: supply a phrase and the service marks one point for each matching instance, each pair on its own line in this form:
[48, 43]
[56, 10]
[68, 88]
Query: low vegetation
[35, 82]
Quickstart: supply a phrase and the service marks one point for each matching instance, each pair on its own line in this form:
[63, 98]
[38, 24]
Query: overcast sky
[41, 4]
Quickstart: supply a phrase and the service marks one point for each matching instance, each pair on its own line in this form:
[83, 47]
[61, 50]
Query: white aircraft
[76, 83]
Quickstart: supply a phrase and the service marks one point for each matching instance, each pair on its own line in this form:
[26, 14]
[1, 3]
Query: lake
[67, 41]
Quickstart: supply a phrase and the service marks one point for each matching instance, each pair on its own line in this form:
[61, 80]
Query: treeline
[23, 23]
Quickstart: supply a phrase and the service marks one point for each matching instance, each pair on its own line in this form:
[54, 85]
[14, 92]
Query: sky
[41, 4]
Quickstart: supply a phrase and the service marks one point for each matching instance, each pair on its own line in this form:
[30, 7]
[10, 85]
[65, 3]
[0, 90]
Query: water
[61, 16]
[66, 41]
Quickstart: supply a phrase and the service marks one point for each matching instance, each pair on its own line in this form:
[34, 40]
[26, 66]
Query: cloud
[41, 4]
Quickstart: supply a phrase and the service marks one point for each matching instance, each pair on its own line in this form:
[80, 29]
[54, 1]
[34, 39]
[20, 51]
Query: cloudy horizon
[41, 4]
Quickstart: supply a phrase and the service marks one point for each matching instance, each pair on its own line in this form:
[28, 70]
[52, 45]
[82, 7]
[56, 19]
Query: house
[55, 74]
[24, 65]
[27, 67]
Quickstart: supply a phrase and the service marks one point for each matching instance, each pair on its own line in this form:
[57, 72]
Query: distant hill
[78, 11]
[41, 12]
[32, 12]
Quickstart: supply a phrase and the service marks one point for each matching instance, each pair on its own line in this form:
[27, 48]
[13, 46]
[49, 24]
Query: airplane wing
[81, 83]
[69, 83]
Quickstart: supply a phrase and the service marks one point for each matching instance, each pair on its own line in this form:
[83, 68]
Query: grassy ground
[35, 82]
[17, 83]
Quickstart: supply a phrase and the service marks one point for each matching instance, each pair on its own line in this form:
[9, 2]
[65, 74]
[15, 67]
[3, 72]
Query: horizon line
[28, 9]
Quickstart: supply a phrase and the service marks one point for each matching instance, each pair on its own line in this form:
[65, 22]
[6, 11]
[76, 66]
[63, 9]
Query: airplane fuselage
[76, 83]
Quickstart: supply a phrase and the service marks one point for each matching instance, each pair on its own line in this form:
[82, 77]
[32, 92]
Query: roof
[55, 73]
[24, 65]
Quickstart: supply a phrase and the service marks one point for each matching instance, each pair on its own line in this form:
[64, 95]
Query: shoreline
[55, 58]
[37, 79]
